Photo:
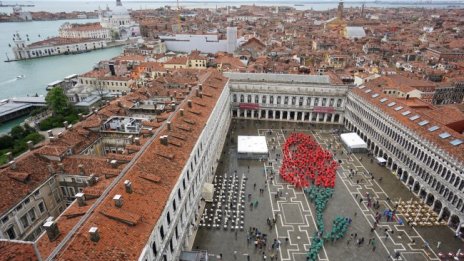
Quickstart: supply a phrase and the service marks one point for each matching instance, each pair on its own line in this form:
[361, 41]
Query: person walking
[438, 244]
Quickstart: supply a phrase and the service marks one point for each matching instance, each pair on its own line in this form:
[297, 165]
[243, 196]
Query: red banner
[323, 109]
[249, 106]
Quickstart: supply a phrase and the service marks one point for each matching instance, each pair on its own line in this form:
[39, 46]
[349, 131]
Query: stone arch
[437, 206]
[404, 177]
[430, 199]
[416, 188]
[422, 193]
[389, 162]
[445, 215]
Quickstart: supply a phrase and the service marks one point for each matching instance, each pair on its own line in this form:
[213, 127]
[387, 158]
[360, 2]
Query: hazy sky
[225, 1]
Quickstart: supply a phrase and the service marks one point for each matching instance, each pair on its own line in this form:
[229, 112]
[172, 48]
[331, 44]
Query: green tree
[57, 101]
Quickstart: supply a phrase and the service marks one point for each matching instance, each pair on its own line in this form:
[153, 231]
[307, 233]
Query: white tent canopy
[207, 192]
[252, 144]
[353, 141]
[381, 160]
[252, 147]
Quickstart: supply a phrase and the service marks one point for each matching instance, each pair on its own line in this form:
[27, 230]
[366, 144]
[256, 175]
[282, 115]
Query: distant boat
[298, 4]
[20, 76]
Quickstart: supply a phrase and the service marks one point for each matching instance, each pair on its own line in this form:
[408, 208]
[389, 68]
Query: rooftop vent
[444, 135]
[50, 133]
[406, 113]
[137, 141]
[81, 169]
[94, 235]
[118, 200]
[189, 103]
[423, 123]
[181, 112]
[128, 186]
[52, 230]
[456, 142]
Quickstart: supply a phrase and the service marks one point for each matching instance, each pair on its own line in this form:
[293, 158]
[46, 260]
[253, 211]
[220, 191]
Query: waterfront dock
[11, 109]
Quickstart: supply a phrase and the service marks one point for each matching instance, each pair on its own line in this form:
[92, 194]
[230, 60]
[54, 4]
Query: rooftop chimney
[60, 134]
[197, 92]
[189, 103]
[164, 140]
[50, 169]
[128, 186]
[137, 141]
[181, 112]
[9, 155]
[81, 116]
[200, 86]
[169, 125]
[92, 180]
[117, 200]
[30, 145]
[131, 139]
[80, 199]
[94, 236]
[13, 164]
[50, 133]
[200, 95]
[52, 230]
[114, 164]
[61, 167]
[81, 169]
[65, 124]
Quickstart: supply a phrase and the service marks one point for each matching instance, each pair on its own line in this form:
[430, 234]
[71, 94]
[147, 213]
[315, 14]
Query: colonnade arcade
[436, 185]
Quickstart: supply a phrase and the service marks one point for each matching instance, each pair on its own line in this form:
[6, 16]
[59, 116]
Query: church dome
[120, 11]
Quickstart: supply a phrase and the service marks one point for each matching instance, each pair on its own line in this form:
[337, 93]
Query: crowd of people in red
[304, 161]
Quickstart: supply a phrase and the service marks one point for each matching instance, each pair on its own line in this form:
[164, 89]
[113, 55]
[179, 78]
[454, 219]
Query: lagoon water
[39, 72]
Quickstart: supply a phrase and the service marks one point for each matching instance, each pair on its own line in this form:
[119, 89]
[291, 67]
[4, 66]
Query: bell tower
[340, 10]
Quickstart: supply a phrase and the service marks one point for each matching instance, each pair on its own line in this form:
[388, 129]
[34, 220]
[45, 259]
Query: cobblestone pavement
[296, 216]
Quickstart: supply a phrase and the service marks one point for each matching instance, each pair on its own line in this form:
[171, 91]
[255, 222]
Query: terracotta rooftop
[56, 41]
[153, 176]
[17, 250]
[417, 121]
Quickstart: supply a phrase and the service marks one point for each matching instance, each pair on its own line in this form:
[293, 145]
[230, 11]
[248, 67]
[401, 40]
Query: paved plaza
[295, 215]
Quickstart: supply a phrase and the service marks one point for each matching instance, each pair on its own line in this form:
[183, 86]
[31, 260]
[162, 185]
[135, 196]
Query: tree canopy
[57, 101]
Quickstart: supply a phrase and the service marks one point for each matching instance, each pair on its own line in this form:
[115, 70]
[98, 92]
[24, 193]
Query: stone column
[325, 117]
[288, 115]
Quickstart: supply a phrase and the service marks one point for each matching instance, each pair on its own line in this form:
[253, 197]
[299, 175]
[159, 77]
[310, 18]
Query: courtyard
[251, 198]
